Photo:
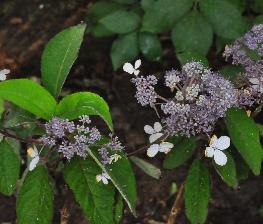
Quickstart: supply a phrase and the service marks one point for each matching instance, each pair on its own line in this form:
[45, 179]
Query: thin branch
[25, 140]
[177, 206]
[65, 211]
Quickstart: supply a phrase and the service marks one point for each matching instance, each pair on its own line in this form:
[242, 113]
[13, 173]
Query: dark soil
[24, 29]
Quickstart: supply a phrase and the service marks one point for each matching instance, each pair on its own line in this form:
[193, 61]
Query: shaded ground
[25, 26]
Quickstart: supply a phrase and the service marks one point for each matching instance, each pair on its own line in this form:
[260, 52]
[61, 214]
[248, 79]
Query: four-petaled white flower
[33, 153]
[216, 146]
[114, 158]
[164, 147]
[154, 132]
[128, 67]
[257, 84]
[3, 74]
[104, 177]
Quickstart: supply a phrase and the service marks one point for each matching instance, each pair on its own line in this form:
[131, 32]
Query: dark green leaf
[58, 57]
[147, 4]
[242, 168]
[30, 96]
[95, 199]
[84, 103]
[150, 46]
[146, 167]
[122, 177]
[186, 57]
[192, 33]
[181, 152]
[121, 21]
[125, 1]
[257, 6]
[124, 49]
[225, 18]
[103, 8]
[197, 193]
[163, 14]
[231, 72]
[35, 199]
[228, 172]
[244, 134]
[9, 168]
[100, 30]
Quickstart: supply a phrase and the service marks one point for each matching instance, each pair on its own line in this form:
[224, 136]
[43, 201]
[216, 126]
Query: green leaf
[228, 172]
[244, 134]
[256, 6]
[84, 103]
[100, 30]
[121, 21]
[124, 49]
[146, 167]
[9, 168]
[186, 57]
[125, 1]
[231, 72]
[163, 14]
[30, 96]
[225, 18]
[118, 209]
[192, 33]
[103, 8]
[122, 177]
[95, 199]
[181, 152]
[197, 193]
[147, 4]
[35, 199]
[241, 167]
[58, 57]
[150, 46]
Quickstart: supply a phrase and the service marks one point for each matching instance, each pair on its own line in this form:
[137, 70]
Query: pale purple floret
[145, 93]
[58, 127]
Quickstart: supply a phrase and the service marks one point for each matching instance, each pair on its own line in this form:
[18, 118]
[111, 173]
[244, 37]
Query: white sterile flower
[154, 132]
[104, 177]
[257, 84]
[216, 146]
[33, 153]
[3, 74]
[164, 147]
[114, 158]
[128, 67]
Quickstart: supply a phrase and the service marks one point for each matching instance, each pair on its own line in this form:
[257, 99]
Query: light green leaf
[95, 199]
[192, 33]
[150, 46]
[197, 193]
[84, 103]
[122, 177]
[244, 134]
[146, 167]
[186, 57]
[121, 21]
[124, 49]
[225, 18]
[118, 209]
[9, 168]
[30, 96]
[147, 4]
[181, 152]
[58, 57]
[163, 14]
[228, 172]
[35, 199]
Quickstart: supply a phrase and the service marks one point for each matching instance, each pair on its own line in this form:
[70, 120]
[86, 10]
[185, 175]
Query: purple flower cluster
[247, 51]
[200, 98]
[71, 138]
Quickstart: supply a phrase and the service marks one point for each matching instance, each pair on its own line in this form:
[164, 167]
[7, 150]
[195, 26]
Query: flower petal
[148, 129]
[137, 64]
[98, 177]
[254, 81]
[157, 127]
[104, 180]
[154, 137]
[153, 150]
[166, 147]
[33, 163]
[127, 67]
[220, 158]
[209, 152]
[222, 143]
[136, 72]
